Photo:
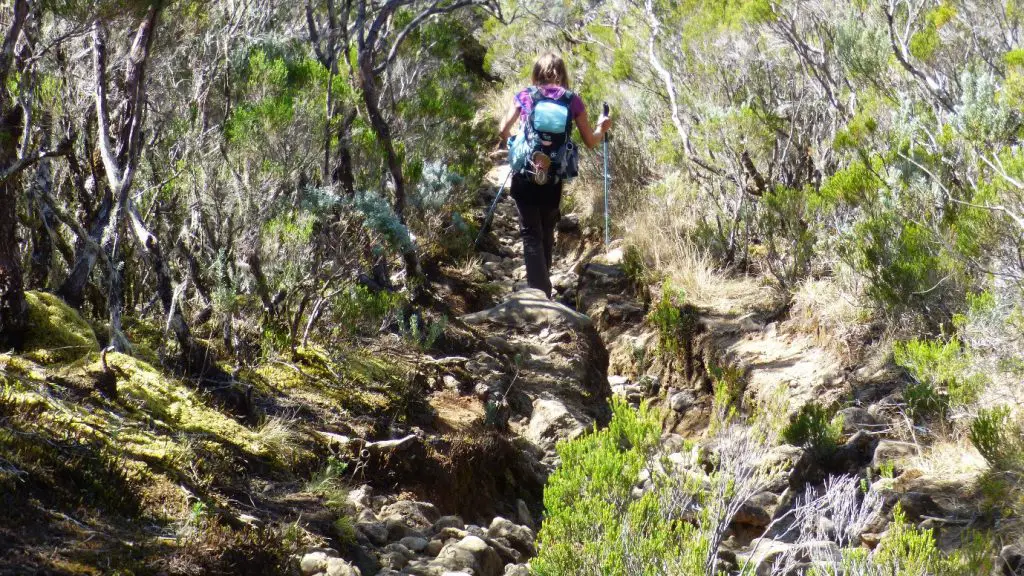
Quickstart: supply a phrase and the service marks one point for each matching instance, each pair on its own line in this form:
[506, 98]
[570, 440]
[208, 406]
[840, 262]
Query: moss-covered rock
[174, 404]
[56, 332]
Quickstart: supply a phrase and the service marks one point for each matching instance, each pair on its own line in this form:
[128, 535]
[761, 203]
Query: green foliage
[909, 551]
[941, 372]
[593, 524]
[816, 428]
[674, 322]
[380, 218]
[329, 483]
[345, 531]
[634, 267]
[924, 400]
[900, 258]
[999, 437]
[359, 311]
[422, 332]
[787, 222]
[855, 185]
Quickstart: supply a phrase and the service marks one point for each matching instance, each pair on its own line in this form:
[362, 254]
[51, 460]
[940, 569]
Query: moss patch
[57, 333]
[355, 381]
[172, 404]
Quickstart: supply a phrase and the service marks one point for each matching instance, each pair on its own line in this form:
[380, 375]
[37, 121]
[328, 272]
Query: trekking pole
[607, 216]
[491, 210]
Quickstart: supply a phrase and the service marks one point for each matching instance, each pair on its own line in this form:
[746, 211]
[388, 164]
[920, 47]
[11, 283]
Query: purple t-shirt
[525, 102]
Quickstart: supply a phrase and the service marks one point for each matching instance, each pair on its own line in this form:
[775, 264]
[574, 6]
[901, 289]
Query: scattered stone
[682, 400]
[471, 553]
[523, 514]
[1011, 559]
[550, 422]
[569, 223]
[393, 560]
[764, 552]
[528, 309]
[452, 534]
[519, 537]
[447, 522]
[415, 543]
[313, 563]
[361, 497]
[758, 510]
[516, 570]
[339, 567]
[419, 515]
[855, 418]
[855, 453]
[434, 548]
[375, 532]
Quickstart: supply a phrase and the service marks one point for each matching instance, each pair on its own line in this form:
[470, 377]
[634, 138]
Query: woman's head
[550, 69]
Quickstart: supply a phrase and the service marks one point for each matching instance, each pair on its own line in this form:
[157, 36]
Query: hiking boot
[541, 164]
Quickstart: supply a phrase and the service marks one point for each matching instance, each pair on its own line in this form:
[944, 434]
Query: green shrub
[593, 524]
[675, 324]
[330, 484]
[345, 530]
[357, 310]
[941, 375]
[635, 268]
[998, 437]
[815, 428]
[727, 384]
[785, 225]
[924, 400]
[909, 551]
[900, 260]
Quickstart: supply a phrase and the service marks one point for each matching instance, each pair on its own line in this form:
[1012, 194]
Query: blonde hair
[550, 69]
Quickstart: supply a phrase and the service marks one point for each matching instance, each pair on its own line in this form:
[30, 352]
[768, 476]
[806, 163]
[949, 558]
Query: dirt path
[776, 360]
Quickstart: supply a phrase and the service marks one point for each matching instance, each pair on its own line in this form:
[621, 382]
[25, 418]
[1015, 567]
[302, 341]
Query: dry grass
[949, 458]
[277, 438]
[832, 314]
[470, 266]
[660, 229]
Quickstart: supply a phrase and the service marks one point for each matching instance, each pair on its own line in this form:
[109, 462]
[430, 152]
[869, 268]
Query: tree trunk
[194, 357]
[343, 172]
[72, 290]
[41, 263]
[120, 161]
[383, 132]
[13, 307]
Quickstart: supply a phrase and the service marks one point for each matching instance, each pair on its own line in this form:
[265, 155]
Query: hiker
[543, 157]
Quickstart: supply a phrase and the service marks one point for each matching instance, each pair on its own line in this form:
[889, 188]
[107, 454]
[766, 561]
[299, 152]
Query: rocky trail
[542, 371]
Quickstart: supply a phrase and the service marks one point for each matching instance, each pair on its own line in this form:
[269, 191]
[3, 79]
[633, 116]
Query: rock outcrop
[558, 387]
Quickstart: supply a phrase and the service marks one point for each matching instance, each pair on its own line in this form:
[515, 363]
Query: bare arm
[592, 137]
[508, 122]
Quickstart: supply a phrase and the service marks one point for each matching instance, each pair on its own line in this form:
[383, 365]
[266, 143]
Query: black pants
[538, 215]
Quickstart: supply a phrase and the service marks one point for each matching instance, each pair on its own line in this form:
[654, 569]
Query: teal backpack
[543, 148]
